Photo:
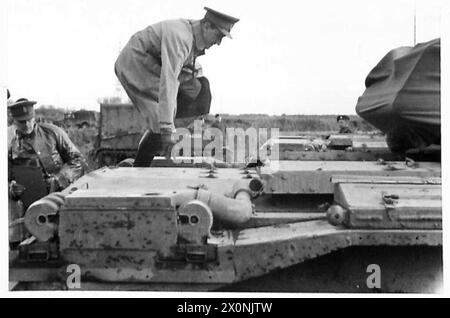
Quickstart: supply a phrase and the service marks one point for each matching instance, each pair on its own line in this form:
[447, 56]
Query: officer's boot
[149, 146]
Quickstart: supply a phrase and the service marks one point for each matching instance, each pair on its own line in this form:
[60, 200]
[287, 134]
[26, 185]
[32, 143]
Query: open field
[86, 138]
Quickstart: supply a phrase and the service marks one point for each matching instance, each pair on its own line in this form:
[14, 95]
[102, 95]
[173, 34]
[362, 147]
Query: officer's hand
[16, 190]
[61, 181]
[166, 142]
[53, 184]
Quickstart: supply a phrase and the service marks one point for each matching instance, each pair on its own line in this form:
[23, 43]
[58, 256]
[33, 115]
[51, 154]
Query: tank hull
[125, 231]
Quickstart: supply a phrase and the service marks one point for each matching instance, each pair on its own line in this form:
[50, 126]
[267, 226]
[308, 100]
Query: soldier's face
[24, 126]
[342, 123]
[211, 35]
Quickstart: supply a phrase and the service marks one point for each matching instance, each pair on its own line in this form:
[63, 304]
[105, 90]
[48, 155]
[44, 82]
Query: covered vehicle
[80, 119]
[402, 97]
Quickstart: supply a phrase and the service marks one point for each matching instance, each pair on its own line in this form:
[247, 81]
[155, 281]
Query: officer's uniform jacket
[48, 147]
[154, 63]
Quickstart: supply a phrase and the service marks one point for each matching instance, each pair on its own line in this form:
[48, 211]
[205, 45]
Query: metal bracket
[191, 253]
[32, 251]
[391, 167]
[198, 187]
[196, 256]
[210, 175]
[390, 200]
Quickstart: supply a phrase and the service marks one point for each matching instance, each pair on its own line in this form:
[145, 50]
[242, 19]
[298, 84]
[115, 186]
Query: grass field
[294, 122]
[85, 138]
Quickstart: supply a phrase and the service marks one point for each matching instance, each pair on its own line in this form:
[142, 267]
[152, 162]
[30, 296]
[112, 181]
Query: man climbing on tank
[158, 70]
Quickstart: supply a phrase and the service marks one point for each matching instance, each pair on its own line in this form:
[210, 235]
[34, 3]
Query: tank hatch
[388, 206]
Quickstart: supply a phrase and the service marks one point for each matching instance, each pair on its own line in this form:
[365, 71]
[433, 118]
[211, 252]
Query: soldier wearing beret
[158, 70]
[343, 123]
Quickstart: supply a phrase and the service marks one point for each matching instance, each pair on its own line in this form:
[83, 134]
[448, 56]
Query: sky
[286, 57]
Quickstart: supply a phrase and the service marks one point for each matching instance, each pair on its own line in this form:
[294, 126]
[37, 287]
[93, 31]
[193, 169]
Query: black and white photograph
[223, 148]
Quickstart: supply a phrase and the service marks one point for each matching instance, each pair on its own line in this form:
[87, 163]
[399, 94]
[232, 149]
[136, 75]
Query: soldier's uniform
[49, 148]
[40, 161]
[158, 71]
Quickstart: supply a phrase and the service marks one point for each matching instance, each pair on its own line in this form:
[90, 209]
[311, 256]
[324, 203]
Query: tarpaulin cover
[403, 95]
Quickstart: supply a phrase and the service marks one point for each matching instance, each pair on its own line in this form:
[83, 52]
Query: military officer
[158, 66]
[343, 123]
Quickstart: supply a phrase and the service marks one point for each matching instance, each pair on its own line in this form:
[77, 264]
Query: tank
[121, 127]
[335, 213]
[240, 228]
